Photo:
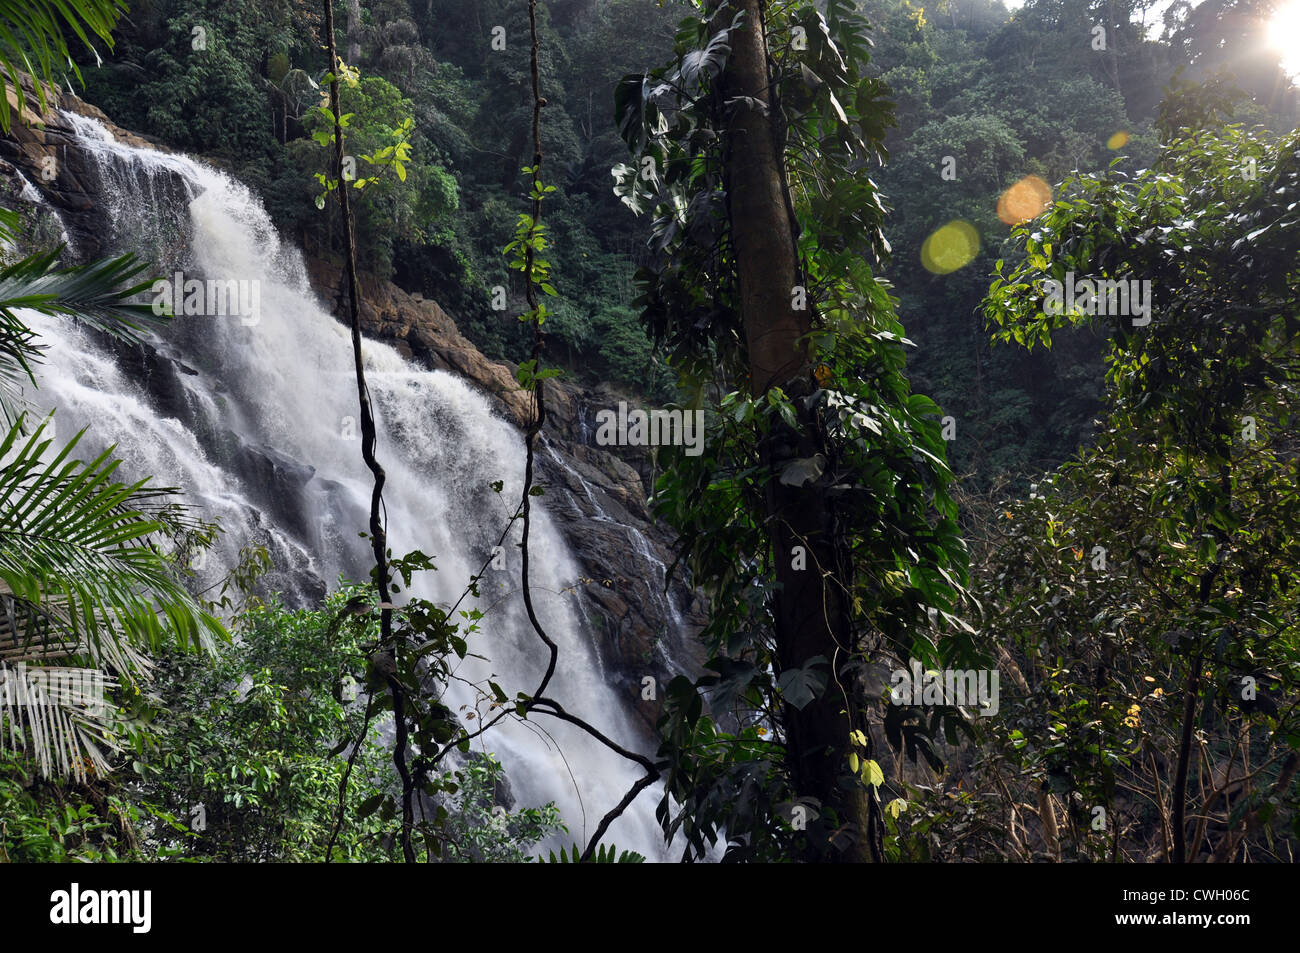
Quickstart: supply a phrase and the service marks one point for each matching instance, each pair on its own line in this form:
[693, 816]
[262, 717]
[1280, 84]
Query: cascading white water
[258, 429]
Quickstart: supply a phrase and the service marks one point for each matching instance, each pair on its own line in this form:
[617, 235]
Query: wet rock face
[645, 629]
[44, 149]
[281, 480]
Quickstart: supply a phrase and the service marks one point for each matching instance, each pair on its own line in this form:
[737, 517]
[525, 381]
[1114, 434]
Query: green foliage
[33, 41]
[84, 587]
[247, 101]
[629, 355]
[98, 294]
[605, 854]
[1182, 226]
[260, 738]
[1120, 664]
[245, 740]
[999, 112]
[1005, 98]
[54, 821]
[190, 74]
[400, 197]
[83, 582]
[1189, 617]
[478, 829]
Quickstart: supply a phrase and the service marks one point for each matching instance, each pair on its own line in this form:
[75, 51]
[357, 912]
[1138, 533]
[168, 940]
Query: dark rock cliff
[597, 498]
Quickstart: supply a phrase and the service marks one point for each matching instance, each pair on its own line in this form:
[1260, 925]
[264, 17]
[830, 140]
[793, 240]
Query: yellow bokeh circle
[953, 246]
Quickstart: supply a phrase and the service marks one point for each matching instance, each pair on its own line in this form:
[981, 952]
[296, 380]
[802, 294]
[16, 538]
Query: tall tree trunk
[1178, 789]
[760, 222]
[810, 611]
[354, 32]
[1112, 47]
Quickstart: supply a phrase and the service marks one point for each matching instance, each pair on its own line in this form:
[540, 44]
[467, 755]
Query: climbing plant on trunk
[818, 518]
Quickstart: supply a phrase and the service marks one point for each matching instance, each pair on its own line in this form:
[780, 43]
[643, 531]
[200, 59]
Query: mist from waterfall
[256, 424]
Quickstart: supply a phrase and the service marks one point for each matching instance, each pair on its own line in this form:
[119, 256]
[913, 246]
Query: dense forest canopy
[1004, 97]
[989, 318]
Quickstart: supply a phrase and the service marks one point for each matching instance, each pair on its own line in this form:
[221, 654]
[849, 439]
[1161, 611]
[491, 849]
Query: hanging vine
[416, 639]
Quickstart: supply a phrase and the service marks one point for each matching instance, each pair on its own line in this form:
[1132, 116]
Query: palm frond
[60, 714]
[18, 352]
[55, 693]
[32, 41]
[81, 546]
[100, 294]
[43, 634]
[85, 590]
[9, 222]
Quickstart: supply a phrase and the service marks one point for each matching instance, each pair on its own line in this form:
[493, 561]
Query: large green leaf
[83, 581]
[32, 42]
[69, 532]
[98, 294]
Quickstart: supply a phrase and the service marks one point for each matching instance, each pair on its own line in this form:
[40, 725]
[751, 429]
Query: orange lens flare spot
[1117, 141]
[1025, 200]
[953, 246]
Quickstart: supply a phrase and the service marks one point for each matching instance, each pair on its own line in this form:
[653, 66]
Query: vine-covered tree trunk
[760, 222]
[809, 609]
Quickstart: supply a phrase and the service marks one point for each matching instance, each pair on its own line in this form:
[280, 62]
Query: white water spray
[257, 426]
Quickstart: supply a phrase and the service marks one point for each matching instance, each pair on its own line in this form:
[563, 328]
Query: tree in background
[250, 749]
[1148, 587]
[988, 98]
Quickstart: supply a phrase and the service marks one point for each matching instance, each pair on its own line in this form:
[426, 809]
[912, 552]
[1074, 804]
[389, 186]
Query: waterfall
[255, 421]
